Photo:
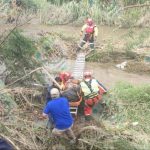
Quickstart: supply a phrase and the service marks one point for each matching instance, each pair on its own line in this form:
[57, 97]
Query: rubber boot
[78, 50]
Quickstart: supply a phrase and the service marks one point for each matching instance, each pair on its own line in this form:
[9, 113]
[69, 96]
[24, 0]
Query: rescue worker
[91, 94]
[58, 108]
[90, 32]
[65, 76]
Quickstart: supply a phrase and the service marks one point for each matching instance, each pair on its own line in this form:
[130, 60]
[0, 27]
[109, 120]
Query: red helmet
[65, 76]
[87, 74]
[89, 22]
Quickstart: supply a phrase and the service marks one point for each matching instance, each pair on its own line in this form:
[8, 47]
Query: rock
[122, 65]
[135, 123]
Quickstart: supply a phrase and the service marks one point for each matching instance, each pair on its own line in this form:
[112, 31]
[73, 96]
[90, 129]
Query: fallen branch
[89, 143]
[133, 6]
[21, 78]
[16, 26]
[46, 71]
[29, 104]
[90, 128]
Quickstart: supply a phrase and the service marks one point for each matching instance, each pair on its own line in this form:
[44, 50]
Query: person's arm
[46, 111]
[95, 31]
[83, 29]
[44, 115]
[102, 86]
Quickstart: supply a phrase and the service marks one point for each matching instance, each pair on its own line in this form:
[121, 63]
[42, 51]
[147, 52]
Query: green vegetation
[135, 104]
[7, 102]
[103, 12]
[17, 54]
[134, 42]
[129, 113]
[124, 122]
[133, 2]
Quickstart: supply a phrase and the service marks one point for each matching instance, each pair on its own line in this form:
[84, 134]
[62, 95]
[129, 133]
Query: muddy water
[110, 75]
[107, 74]
[105, 32]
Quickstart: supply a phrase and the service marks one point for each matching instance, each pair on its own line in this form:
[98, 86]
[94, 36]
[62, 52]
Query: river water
[105, 73]
[110, 75]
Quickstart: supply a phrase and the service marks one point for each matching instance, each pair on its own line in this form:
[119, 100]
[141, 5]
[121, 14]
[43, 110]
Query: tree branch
[133, 6]
[16, 26]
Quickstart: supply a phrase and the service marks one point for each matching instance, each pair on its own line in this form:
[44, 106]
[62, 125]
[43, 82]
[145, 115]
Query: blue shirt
[59, 110]
[4, 145]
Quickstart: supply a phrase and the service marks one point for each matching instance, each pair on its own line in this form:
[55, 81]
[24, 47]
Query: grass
[62, 12]
[129, 113]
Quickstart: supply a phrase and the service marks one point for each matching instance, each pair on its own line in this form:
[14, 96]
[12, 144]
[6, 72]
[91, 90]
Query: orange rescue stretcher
[74, 106]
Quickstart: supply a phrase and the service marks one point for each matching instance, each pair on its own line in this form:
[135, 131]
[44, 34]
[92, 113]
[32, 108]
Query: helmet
[65, 76]
[89, 22]
[87, 74]
[54, 93]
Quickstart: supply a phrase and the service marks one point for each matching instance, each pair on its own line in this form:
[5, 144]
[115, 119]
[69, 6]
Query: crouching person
[90, 89]
[58, 109]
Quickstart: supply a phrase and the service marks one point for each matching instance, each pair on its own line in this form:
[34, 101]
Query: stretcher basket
[74, 107]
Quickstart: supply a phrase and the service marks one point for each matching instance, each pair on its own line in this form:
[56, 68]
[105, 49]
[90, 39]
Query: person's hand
[81, 33]
[40, 117]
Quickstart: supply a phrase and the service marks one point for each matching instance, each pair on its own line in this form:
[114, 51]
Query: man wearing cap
[58, 109]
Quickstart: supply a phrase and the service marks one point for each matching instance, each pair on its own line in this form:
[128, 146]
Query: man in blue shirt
[58, 109]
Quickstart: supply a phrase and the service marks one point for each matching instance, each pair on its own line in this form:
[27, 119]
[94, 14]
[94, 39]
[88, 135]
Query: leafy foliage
[6, 101]
[132, 2]
[128, 112]
[58, 2]
[133, 104]
[25, 4]
[102, 11]
[17, 53]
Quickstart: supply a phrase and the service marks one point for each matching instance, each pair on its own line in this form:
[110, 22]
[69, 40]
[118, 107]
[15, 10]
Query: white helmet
[87, 74]
[55, 93]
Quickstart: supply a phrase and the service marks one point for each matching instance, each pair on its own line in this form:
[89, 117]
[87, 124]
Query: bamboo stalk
[46, 71]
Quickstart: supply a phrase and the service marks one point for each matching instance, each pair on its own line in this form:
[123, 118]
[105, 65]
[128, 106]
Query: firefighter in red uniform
[65, 76]
[91, 91]
[90, 32]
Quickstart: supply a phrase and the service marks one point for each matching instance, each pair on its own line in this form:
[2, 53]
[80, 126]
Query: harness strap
[89, 85]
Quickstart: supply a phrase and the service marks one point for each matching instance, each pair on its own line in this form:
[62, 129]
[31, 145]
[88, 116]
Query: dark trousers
[86, 39]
